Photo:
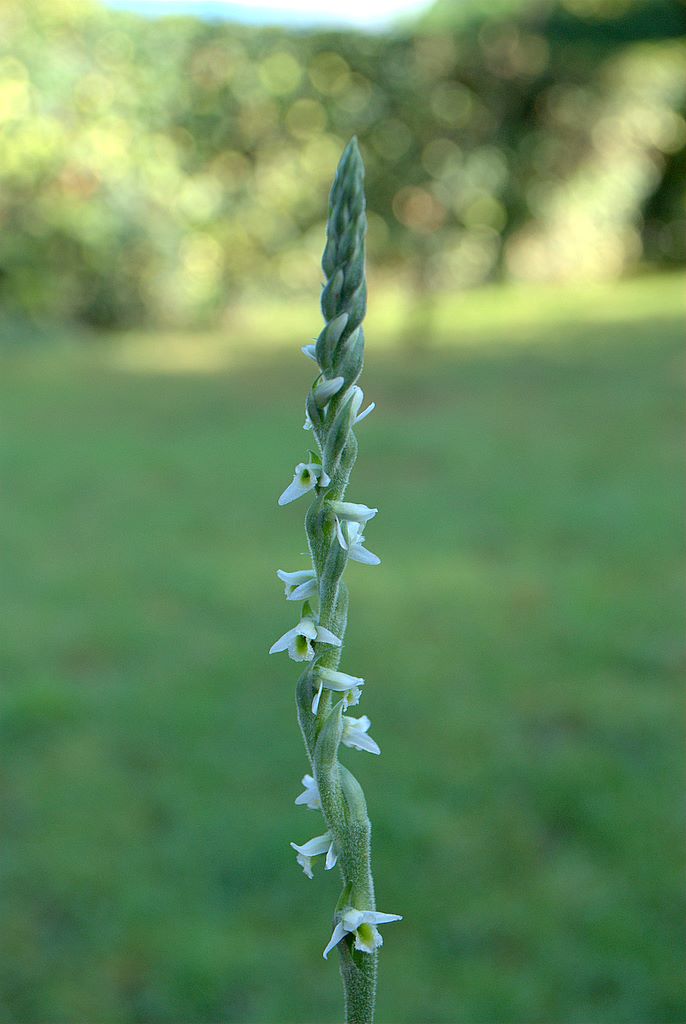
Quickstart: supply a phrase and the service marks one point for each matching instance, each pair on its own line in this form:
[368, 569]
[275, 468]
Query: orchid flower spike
[362, 924]
[349, 686]
[298, 641]
[299, 585]
[335, 536]
[305, 478]
[310, 795]
[351, 539]
[355, 735]
[315, 848]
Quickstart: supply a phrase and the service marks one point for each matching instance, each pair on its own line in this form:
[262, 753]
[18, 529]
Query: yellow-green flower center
[365, 934]
[301, 644]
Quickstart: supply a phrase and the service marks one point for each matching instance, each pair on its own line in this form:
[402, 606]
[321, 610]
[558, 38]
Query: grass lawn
[521, 643]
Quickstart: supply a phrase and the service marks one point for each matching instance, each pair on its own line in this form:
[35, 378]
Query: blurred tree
[160, 169]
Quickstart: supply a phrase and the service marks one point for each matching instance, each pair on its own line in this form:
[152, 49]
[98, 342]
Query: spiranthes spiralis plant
[335, 535]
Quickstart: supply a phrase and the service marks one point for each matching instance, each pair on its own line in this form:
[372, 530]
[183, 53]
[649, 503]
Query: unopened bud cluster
[335, 532]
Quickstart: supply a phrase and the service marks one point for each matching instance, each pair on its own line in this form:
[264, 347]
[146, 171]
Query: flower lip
[351, 539]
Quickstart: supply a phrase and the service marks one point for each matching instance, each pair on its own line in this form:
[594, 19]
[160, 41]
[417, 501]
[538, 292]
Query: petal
[297, 577]
[306, 627]
[360, 554]
[314, 847]
[306, 864]
[363, 415]
[307, 589]
[331, 858]
[310, 795]
[341, 537]
[360, 741]
[351, 510]
[325, 636]
[317, 698]
[309, 351]
[327, 389]
[373, 917]
[335, 680]
[352, 918]
[336, 936]
[296, 489]
[282, 643]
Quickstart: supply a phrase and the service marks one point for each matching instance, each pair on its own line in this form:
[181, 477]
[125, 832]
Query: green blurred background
[163, 189]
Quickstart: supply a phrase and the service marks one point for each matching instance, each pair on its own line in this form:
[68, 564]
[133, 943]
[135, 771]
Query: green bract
[334, 529]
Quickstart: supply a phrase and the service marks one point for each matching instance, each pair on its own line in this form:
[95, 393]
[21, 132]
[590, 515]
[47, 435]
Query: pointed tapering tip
[351, 156]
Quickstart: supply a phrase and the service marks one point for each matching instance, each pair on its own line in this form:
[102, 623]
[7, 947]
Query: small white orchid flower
[349, 686]
[355, 735]
[325, 389]
[315, 848]
[351, 539]
[306, 477]
[349, 510]
[299, 585]
[358, 399]
[310, 795]
[361, 923]
[307, 425]
[310, 351]
[298, 641]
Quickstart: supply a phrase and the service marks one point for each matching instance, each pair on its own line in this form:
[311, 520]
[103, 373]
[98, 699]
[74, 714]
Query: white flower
[315, 848]
[363, 924]
[306, 477]
[298, 641]
[358, 399]
[325, 389]
[299, 585]
[350, 511]
[351, 539]
[355, 735]
[310, 795]
[307, 425]
[310, 351]
[349, 686]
